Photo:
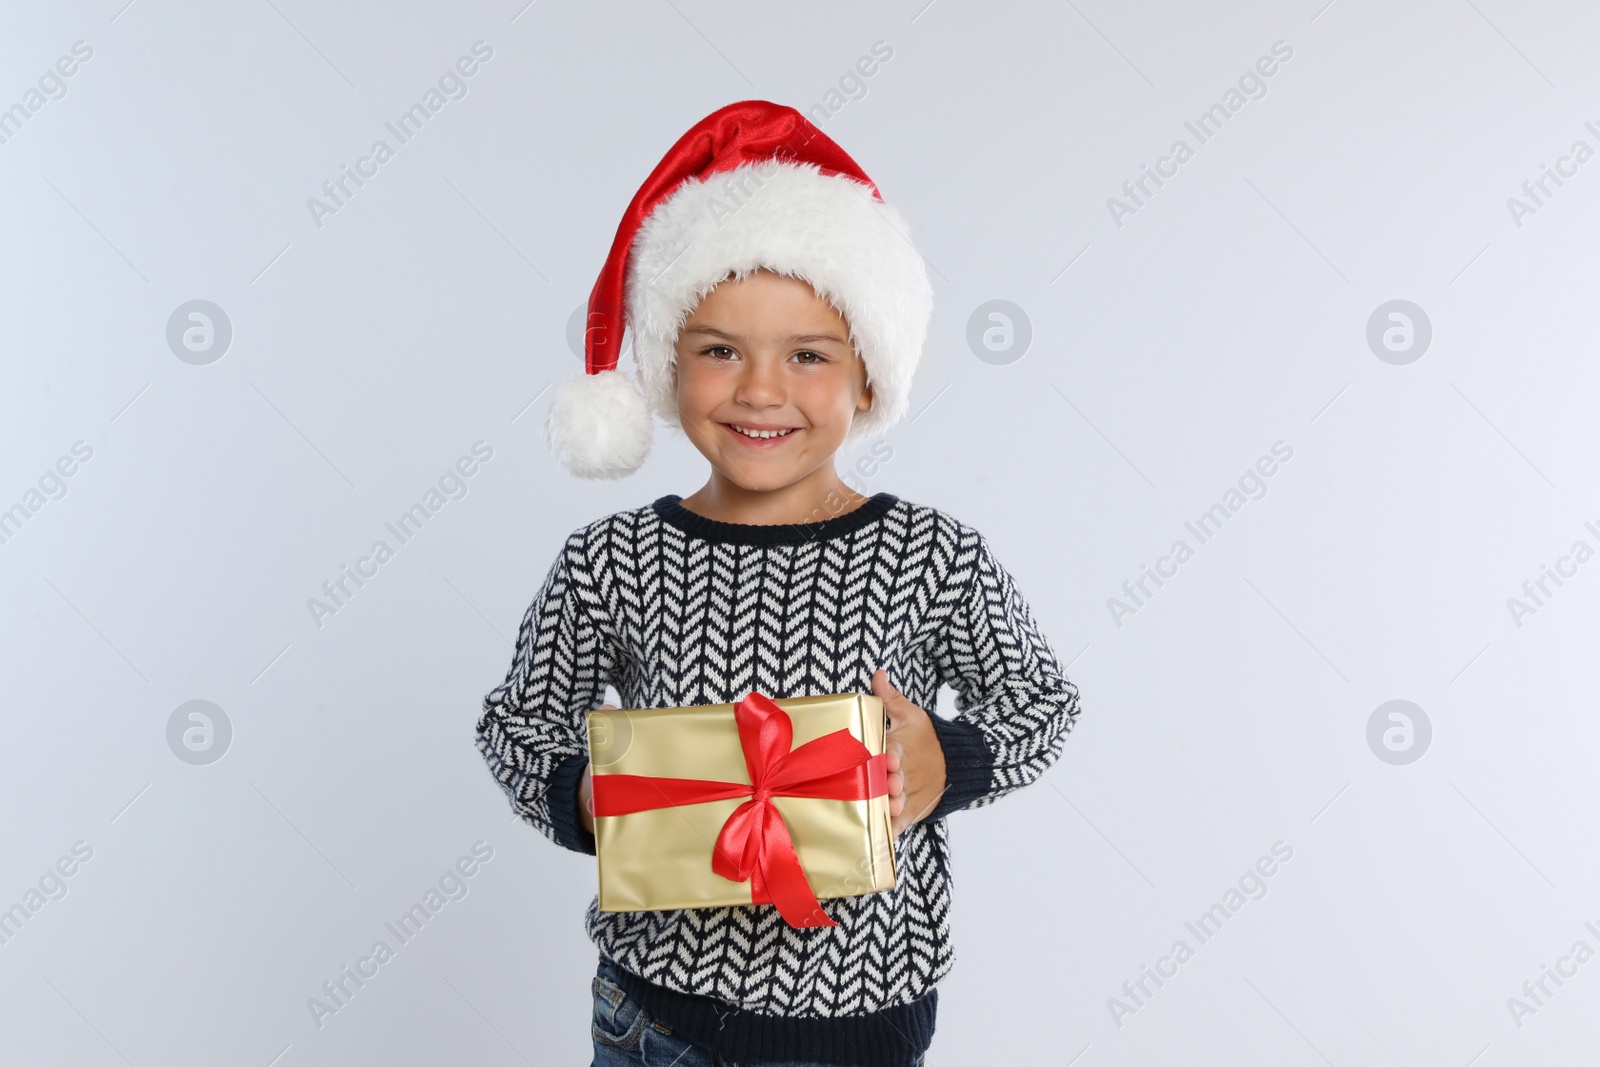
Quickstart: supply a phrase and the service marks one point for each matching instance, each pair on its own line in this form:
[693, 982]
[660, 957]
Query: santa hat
[752, 185]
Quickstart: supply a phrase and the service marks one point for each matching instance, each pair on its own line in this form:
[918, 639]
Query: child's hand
[915, 758]
[586, 790]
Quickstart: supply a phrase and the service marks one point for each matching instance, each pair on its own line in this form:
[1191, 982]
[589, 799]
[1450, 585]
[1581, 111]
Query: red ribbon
[754, 844]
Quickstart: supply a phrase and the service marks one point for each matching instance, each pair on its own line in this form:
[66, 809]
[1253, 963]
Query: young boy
[778, 309]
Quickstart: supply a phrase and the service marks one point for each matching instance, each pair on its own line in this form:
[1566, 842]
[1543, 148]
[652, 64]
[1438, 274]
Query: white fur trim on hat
[829, 230]
[599, 426]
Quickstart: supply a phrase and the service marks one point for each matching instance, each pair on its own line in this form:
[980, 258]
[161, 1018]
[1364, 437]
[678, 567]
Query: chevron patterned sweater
[671, 608]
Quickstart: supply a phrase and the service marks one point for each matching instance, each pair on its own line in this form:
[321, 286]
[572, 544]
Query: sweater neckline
[671, 511]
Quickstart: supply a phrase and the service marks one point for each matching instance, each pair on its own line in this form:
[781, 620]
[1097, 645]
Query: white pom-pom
[599, 425]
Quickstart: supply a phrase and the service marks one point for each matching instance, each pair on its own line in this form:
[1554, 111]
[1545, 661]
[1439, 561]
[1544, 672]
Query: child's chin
[762, 481]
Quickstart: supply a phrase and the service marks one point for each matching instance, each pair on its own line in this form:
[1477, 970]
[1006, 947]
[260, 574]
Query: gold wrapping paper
[661, 859]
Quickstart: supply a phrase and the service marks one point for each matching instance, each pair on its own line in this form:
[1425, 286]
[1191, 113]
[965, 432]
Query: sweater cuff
[561, 797]
[968, 764]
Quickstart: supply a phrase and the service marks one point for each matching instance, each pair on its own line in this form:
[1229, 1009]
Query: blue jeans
[625, 1035]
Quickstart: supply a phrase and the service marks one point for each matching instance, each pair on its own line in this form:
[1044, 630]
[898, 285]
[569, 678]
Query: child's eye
[817, 357]
[714, 349]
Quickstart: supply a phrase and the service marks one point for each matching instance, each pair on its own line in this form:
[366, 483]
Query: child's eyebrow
[797, 339]
[811, 338]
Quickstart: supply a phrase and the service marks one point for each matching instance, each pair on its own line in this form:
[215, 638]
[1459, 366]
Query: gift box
[779, 801]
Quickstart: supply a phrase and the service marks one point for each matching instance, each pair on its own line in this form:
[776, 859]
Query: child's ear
[864, 401]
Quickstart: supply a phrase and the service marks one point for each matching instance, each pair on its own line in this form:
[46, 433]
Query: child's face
[767, 352]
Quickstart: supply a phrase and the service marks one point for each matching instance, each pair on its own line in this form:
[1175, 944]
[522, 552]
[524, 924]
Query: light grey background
[1167, 354]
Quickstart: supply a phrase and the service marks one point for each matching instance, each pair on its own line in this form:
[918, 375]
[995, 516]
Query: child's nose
[761, 383]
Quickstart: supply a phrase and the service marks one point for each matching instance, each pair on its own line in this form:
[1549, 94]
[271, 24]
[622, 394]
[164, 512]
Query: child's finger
[884, 689]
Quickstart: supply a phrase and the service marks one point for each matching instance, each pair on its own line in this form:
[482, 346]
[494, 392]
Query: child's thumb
[893, 700]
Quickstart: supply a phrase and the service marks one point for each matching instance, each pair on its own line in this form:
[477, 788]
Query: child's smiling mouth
[761, 438]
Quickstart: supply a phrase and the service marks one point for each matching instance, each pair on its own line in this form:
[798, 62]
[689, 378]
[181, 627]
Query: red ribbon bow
[754, 844]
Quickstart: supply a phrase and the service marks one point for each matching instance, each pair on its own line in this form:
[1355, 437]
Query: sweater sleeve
[1014, 703]
[531, 731]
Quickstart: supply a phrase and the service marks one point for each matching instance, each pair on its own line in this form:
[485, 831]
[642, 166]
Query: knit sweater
[671, 609]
